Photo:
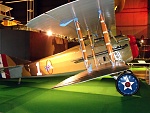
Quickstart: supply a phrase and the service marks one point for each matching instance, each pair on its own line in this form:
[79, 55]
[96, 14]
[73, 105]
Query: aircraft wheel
[127, 84]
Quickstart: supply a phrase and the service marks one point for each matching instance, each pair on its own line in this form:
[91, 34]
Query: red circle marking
[127, 84]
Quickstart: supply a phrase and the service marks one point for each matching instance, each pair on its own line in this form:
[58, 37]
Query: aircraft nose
[133, 45]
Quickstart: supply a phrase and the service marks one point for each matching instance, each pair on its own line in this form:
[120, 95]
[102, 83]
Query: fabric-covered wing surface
[102, 70]
[85, 10]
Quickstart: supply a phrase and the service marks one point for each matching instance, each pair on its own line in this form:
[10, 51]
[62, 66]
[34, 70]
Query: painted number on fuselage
[38, 68]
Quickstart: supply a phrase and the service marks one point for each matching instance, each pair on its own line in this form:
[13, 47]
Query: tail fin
[8, 68]
[12, 67]
[3, 63]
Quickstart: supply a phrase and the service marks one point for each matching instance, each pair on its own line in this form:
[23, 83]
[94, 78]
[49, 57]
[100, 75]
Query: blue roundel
[127, 84]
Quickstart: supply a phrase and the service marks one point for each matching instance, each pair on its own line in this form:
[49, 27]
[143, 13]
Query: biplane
[105, 54]
[5, 16]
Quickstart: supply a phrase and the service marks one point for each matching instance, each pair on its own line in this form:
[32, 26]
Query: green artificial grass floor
[35, 95]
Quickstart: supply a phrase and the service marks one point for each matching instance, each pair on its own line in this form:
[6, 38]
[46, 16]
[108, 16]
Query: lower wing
[102, 70]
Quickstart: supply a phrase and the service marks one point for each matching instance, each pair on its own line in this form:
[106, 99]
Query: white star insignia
[127, 84]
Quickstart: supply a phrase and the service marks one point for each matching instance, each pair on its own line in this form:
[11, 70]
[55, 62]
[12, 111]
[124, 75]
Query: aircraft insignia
[48, 66]
[127, 84]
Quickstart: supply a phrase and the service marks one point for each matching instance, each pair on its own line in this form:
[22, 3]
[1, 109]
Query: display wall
[30, 45]
[15, 43]
[133, 20]
[148, 18]
[42, 45]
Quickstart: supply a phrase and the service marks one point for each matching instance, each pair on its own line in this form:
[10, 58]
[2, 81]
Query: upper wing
[103, 69]
[85, 10]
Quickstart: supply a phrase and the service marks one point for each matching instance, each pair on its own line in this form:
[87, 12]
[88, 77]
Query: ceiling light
[49, 33]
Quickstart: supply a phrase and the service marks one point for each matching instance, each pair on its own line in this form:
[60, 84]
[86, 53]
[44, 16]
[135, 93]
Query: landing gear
[19, 80]
[127, 84]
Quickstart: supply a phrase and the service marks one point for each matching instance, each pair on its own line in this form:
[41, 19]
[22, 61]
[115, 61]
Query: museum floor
[35, 95]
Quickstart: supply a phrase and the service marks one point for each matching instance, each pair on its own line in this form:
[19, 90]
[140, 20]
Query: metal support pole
[107, 38]
[30, 10]
[92, 47]
[82, 45]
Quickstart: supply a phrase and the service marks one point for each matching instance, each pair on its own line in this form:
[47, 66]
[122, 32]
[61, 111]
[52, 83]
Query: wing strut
[82, 45]
[107, 38]
[92, 47]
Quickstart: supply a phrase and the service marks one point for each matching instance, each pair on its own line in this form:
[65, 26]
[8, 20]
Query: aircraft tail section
[3, 63]
[8, 68]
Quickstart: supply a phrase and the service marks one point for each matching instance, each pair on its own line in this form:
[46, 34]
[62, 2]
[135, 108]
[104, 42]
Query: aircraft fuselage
[71, 61]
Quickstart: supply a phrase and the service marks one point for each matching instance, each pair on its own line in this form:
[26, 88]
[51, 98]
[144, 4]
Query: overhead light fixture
[49, 33]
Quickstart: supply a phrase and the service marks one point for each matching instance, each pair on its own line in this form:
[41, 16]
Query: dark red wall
[42, 45]
[133, 20]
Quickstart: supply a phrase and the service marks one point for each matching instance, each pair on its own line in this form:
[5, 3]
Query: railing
[144, 51]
